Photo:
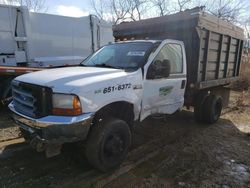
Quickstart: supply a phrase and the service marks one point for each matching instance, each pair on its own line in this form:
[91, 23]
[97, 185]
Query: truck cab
[99, 100]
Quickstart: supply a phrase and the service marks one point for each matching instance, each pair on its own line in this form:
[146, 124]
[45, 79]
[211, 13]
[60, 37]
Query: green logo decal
[165, 90]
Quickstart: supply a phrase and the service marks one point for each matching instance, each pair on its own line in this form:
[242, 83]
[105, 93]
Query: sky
[74, 8]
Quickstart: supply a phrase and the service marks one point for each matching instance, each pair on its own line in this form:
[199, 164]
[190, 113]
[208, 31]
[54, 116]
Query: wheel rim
[114, 147]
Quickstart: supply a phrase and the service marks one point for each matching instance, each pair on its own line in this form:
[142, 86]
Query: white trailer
[38, 40]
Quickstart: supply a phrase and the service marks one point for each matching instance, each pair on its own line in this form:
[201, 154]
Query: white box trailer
[44, 40]
[32, 41]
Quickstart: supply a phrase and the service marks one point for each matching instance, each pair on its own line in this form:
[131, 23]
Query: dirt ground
[170, 152]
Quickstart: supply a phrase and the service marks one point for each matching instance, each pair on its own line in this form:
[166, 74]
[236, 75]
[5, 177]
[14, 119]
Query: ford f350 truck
[127, 81]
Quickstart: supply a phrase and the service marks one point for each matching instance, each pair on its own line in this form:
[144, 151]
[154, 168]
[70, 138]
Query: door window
[173, 53]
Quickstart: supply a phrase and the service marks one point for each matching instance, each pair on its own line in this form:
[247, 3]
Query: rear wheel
[199, 107]
[108, 144]
[212, 109]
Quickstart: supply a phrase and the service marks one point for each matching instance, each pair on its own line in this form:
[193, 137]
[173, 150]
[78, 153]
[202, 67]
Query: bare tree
[229, 10]
[120, 10]
[114, 11]
[161, 6]
[128, 9]
[182, 3]
[125, 10]
[100, 8]
[137, 8]
[33, 5]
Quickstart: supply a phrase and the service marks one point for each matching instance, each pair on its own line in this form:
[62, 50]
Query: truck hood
[70, 78]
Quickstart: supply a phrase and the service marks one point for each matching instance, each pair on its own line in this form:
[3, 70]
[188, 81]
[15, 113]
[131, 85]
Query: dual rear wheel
[208, 108]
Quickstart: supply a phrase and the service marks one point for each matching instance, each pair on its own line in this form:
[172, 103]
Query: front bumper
[54, 129]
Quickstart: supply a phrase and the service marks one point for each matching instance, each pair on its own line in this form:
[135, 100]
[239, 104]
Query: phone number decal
[116, 88]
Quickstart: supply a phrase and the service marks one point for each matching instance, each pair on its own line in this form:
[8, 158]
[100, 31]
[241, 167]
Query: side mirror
[159, 69]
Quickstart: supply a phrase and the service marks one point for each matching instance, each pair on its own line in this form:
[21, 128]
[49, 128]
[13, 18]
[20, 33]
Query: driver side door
[164, 93]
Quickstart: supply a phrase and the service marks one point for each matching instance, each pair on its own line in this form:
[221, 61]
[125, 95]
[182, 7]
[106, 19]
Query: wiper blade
[106, 65]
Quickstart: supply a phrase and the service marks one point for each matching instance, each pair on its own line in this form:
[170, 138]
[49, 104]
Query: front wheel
[108, 144]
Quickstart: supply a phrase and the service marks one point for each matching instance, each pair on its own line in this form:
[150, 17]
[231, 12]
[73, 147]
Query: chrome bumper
[55, 129]
[50, 120]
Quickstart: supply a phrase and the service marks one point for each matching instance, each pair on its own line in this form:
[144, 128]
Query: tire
[108, 144]
[212, 109]
[199, 108]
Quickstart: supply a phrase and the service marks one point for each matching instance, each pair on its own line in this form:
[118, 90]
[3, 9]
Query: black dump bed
[213, 46]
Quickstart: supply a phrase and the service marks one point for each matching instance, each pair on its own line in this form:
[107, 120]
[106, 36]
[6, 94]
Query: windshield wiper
[107, 66]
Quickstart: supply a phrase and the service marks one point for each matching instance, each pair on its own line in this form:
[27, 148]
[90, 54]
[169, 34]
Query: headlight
[66, 105]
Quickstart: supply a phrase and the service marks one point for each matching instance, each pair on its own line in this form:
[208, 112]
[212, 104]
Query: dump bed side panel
[219, 58]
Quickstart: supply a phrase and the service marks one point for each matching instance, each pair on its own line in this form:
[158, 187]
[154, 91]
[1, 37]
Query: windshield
[131, 55]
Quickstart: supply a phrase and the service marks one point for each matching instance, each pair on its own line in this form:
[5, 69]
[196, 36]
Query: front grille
[31, 100]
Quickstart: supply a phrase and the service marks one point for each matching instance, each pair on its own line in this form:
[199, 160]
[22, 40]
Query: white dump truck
[33, 41]
[186, 59]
